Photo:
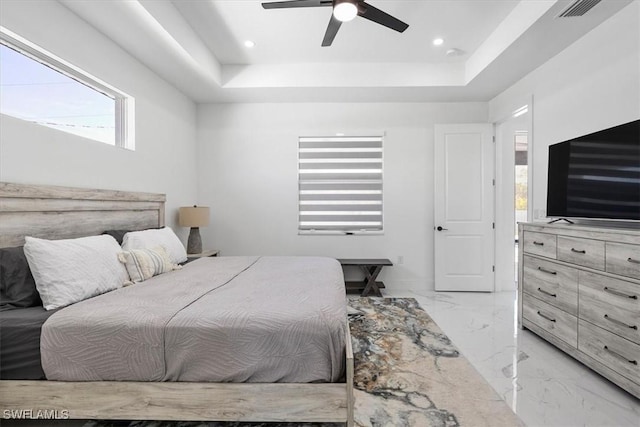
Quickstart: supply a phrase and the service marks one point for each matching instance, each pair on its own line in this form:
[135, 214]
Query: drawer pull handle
[578, 251]
[544, 270]
[618, 293]
[619, 356]
[635, 261]
[546, 317]
[538, 243]
[547, 293]
[618, 322]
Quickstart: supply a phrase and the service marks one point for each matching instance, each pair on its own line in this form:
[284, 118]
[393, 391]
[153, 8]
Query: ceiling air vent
[578, 8]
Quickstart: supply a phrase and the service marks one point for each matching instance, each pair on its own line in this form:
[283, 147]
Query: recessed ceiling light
[249, 43]
[438, 42]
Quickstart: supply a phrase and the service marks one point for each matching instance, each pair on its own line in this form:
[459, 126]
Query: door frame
[506, 204]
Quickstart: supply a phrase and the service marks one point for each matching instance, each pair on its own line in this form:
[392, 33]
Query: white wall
[592, 85]
[248, 176]
[165, 157]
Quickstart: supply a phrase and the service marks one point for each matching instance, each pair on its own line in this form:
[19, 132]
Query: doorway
[513, 191]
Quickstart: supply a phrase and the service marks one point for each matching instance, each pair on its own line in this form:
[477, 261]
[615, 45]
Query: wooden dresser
[579, 289]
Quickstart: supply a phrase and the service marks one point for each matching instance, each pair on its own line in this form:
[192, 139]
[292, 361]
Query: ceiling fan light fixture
[342, 11]
[345, 11]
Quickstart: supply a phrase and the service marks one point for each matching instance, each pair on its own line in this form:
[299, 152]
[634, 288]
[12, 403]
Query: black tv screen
[596, 175]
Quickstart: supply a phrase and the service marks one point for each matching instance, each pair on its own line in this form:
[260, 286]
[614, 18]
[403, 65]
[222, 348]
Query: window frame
[124, 111]
[336, 137]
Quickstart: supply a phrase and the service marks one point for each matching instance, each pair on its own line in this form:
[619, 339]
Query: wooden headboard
[66, 212]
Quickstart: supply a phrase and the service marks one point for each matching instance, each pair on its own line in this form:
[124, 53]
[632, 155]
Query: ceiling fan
[343, 11]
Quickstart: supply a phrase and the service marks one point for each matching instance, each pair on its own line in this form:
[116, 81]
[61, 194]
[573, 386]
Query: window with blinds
[340, 184]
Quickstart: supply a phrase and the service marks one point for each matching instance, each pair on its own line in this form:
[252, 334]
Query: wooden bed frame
[65, 212]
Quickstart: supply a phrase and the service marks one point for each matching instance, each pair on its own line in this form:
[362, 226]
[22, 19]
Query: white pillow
[71, 270]
[149, 239]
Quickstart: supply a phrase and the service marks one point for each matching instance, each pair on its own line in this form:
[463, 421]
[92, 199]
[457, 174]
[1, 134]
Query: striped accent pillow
[142, 264]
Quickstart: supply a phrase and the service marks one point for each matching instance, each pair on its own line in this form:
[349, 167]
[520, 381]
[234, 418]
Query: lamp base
[194, 244]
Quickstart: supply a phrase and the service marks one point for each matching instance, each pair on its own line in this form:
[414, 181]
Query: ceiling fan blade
[376, 15]
[332, 30]
[296, 3]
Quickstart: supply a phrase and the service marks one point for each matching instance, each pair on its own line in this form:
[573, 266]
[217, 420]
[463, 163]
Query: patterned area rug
[407, 373]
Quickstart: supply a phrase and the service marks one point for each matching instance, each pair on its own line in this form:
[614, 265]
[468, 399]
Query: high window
[340, 185]
[40, 88]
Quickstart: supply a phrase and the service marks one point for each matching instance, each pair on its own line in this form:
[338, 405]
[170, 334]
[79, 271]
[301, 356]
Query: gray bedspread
[227, 319]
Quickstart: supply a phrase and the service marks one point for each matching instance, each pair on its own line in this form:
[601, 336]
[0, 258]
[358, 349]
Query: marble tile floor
[543, 385]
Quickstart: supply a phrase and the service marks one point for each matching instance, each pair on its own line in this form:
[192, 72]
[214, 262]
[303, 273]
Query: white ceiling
[198, 46]
[290, 36]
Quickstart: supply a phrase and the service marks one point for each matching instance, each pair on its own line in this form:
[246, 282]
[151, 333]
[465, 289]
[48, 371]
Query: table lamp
[194, 217]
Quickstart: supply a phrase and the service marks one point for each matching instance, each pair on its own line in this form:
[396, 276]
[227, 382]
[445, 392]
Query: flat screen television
[596, 175]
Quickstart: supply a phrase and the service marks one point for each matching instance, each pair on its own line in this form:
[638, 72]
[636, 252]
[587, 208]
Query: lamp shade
[194, 216]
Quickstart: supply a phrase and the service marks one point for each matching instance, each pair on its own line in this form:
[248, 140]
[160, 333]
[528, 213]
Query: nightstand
[203, 254]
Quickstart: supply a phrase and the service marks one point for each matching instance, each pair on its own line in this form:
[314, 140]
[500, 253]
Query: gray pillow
[17, 286]
[117, 234]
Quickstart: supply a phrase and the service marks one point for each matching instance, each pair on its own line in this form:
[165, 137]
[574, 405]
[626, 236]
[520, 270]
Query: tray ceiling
[198, 46]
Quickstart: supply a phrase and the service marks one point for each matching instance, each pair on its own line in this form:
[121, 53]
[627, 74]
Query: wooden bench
[371, 268]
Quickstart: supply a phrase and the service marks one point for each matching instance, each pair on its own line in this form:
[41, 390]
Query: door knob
[440, 228]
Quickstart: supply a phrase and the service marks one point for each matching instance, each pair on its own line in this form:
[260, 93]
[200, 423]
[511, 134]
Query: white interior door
[464, 205]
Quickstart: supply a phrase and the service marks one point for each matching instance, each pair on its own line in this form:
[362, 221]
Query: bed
[168, 391]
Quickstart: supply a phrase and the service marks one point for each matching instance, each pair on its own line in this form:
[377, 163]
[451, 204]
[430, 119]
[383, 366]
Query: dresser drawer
[611, 304]
[552, 283]
[542, 244]
[585, 252]
[623, 259]
[615, 352]
[553, 320]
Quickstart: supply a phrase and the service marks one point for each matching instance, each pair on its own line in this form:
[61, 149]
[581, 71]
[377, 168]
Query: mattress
[226, 319]
[20, 343]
